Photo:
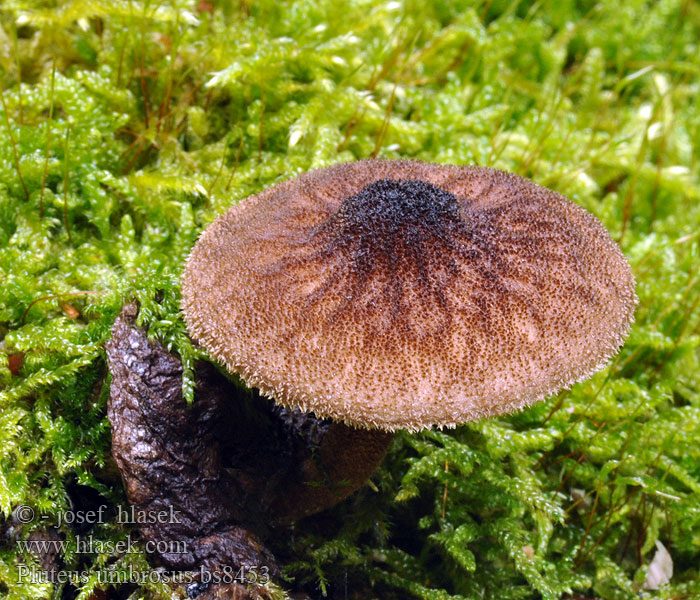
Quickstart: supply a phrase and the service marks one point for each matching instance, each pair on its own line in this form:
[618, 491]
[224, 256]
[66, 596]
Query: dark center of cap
[394, 240]
[389, 206]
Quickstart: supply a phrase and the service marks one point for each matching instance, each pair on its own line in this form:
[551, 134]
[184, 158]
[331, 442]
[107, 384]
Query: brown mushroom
[400, 294]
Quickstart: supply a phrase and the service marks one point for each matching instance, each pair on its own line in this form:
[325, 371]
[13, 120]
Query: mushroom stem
[346, 458]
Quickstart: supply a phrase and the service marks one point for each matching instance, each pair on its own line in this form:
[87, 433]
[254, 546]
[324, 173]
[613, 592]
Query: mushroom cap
[400, 294]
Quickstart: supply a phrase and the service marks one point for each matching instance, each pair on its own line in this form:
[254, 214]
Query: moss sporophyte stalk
[127, 129]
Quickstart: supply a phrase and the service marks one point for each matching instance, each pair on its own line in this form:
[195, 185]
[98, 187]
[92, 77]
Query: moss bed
[127, 126]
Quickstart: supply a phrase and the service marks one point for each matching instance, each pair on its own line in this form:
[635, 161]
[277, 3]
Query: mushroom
[397, 294]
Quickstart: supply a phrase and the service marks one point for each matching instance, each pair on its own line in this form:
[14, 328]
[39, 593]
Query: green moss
[126, 127]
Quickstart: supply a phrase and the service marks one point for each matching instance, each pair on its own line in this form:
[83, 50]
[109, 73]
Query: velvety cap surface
[400, 294]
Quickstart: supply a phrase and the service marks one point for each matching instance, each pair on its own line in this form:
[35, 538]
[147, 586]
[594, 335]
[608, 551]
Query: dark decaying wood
[216, 478]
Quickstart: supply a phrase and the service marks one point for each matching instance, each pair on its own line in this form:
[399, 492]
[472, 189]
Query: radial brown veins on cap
[395, 234]
[398, 240]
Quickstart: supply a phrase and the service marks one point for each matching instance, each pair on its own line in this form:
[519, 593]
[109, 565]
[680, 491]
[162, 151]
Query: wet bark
[170, 458]
[215, 478]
